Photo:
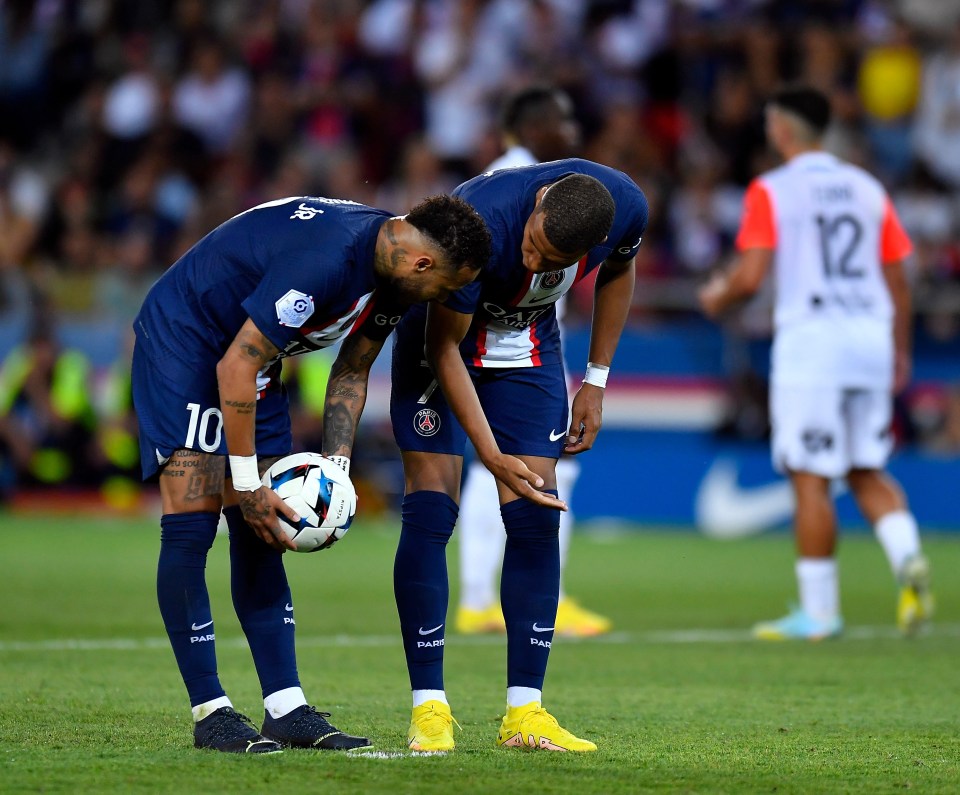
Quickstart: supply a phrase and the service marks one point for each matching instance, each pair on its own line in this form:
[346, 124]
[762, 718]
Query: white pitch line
[650, 638]
[361, 754]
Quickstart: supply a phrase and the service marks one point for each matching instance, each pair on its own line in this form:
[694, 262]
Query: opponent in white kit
[841, 350]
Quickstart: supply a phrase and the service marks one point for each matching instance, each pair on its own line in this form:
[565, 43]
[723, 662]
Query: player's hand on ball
[260, 509]
[522, 481]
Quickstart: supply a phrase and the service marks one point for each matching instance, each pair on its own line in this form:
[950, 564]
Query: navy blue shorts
[184, 413]
[525, 406]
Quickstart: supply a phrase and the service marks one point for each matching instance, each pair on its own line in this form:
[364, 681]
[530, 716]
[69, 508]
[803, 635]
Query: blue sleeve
[465, 299]
[293, 287]
[626, 247]
[382, 318]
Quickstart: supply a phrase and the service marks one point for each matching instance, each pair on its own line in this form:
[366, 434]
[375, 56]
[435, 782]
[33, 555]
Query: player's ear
[423, 264]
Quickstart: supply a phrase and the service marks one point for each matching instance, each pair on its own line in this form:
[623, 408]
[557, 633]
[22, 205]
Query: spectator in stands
[46, 418]
[889, 88]
[23, 201]
[212, 100]
[937, 129]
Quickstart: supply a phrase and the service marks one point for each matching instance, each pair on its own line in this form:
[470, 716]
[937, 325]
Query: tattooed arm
[347, 393]
[237, 379]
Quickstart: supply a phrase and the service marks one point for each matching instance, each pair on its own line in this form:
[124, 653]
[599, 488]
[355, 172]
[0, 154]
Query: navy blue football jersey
[301, 268]
[515, 322]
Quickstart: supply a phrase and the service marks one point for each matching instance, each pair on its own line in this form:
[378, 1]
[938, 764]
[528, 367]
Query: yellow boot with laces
[431, 728]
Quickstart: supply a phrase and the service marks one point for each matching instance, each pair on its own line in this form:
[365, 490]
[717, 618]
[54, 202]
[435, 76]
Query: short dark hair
[528, 105]
[806, 102]
[455, 228]
[578, 213]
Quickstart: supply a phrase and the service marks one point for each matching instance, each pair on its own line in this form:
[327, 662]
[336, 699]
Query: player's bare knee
[432, 472]
[809, 485]
[546, 468]
[192, 481]
[875, 485]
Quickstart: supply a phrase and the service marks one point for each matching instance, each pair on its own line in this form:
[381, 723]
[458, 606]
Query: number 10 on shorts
[201, 422]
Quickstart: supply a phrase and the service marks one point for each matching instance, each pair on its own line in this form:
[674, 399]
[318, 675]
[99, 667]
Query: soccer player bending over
[284, 278]
[496, 375]
[841, 349]
[538, 124]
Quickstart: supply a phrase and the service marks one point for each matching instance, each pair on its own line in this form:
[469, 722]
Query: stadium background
[130, 129]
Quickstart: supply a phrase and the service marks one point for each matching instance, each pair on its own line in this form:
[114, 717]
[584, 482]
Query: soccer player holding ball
[281, 279]
[496, 375]
[841, 348]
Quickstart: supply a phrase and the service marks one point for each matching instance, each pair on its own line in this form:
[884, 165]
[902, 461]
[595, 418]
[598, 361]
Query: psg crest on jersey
[426, 422]
[551, 279]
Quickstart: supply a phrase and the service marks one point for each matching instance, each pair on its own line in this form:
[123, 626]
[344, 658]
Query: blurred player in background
[494, 350]
[285, 278]
[841, 350]
[538, 125]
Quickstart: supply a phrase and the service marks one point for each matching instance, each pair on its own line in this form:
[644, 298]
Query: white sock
[423, 696]
[819, 585]
[201, 711]
[898, 535]
[481, 535]
[285, 701]
[521, 696]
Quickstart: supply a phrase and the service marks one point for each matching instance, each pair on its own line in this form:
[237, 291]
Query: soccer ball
[322, 495]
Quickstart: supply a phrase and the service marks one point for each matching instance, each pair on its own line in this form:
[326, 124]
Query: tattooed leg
[192, 481]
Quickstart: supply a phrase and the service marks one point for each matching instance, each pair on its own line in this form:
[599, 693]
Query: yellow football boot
[915, 605]
[531, 727]
[431, 727]
[574, 621]
[478, 622]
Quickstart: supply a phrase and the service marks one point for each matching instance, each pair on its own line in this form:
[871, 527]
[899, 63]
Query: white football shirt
[832, 228]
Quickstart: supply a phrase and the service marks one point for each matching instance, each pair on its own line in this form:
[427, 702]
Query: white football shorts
[828, 431]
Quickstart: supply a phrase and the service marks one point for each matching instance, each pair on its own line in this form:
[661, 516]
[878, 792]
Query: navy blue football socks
[420, 583]
[185, 539]
[261, 597]
[529, 588]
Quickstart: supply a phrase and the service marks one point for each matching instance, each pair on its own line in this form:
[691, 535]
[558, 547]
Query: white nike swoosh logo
[724, 509]
[430, 631]
[534, 299]
[555, 437]
[541, 629]
[196, 627]
[288, 607]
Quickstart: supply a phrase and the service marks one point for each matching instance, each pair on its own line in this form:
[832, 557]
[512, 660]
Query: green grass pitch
[678, 698]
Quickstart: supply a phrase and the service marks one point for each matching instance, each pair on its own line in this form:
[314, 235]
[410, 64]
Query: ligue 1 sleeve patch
[294, 308]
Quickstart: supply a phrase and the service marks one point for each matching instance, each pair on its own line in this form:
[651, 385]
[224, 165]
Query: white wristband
[341, 461]
[596, 375]
[246, 475]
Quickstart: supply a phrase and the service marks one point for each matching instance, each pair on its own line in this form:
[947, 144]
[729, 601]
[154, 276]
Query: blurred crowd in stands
[130, 128]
